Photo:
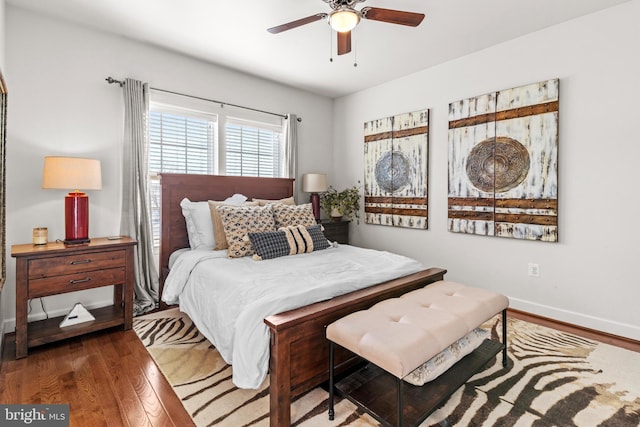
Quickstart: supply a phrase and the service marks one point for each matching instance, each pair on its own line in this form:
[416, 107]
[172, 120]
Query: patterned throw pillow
[237, 221]
[288, 241]
[438, 364]
[218, 231]
[287, 215]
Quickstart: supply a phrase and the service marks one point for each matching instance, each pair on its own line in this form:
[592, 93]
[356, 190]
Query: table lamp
[73, 173]
[315, 183]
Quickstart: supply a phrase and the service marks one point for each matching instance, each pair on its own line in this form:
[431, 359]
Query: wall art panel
[396, 152]
[503, 163]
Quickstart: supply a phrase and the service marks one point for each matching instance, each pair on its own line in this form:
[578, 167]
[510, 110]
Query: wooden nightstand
[337, 231]
[54, 269]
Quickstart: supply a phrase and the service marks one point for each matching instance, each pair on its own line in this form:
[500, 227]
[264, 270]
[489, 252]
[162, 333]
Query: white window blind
[180, 144]
[252, 148]
[180, 141]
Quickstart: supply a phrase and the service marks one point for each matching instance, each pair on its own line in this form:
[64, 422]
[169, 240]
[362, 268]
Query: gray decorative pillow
[237, 221]
[290, 215]
[288, 241]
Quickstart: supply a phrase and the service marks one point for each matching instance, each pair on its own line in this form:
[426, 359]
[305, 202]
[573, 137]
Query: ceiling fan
[343, 18]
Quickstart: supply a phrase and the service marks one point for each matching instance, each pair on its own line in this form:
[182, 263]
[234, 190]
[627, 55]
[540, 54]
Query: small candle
[40, 236]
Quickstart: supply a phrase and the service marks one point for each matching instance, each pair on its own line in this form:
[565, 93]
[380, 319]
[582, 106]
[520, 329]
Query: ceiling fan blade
[297, 23]
[410, 19]
[344, 43]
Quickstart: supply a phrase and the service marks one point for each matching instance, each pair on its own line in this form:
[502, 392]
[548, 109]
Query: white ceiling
[233, 33]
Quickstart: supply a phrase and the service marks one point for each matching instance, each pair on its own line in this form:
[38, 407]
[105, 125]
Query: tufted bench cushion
[400, 334]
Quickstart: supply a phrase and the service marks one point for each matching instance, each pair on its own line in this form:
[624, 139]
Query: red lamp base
[76, 218]
[315, 205]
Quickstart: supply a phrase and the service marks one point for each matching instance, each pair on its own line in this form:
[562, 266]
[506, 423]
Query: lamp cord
[43, 307]
[41, 304]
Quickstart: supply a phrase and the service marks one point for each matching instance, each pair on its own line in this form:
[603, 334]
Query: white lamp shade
[314, 183]
[344, 20]
[71, 173]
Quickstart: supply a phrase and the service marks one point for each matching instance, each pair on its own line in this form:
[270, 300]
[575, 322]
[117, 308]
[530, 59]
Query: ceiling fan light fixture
[344, 20]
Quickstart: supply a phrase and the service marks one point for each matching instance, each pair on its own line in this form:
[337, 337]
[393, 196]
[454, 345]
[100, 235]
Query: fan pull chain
[330, 44]
[355, 47]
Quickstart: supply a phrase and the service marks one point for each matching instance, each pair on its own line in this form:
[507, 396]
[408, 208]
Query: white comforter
[228, 299]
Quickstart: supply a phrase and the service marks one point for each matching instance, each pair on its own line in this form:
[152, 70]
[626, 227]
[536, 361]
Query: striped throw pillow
[288, 241]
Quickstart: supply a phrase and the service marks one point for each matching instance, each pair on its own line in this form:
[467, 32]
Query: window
[179, 142]
[252, 148]
[188, 139]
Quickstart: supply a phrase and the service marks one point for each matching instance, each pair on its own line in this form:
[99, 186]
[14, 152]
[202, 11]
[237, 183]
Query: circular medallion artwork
[393, 171]
[498, 164]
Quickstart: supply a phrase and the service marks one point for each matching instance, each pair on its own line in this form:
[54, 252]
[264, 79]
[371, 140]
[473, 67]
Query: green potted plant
[337, 204]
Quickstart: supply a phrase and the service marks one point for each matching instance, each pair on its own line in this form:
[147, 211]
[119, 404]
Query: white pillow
[197, 216]
[236, 199]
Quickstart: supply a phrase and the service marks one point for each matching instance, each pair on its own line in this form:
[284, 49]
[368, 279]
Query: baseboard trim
[589, 321]
[593, 334]
[10, 324]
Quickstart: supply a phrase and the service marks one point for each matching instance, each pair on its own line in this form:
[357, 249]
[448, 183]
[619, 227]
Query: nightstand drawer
[53, 266]
[76, 282]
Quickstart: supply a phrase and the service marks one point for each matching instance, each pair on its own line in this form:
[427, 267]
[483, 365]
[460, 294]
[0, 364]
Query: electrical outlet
[534, 269]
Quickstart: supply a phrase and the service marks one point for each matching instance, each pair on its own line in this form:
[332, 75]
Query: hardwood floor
[110, 379]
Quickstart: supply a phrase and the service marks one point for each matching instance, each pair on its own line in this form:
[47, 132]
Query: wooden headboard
[175, 187]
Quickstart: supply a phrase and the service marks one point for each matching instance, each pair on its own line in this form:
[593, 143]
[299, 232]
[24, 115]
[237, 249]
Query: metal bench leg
[400, 403]
[504, 338]
[331, 411]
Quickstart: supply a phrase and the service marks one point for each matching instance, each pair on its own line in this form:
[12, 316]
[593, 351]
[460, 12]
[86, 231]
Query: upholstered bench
[398, 335]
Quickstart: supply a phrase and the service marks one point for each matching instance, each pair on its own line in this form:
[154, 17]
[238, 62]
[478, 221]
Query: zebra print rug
[552, 379]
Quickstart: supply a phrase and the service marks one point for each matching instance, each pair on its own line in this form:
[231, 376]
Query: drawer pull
[84, 261]
[75, 282]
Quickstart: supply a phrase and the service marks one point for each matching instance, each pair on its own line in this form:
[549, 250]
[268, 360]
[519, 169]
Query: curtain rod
[111, 80]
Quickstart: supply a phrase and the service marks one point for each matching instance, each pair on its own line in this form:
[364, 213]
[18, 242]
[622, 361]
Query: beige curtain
[290, 163]
[136, 217]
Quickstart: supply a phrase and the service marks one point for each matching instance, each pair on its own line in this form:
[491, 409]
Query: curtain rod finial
[111, 80]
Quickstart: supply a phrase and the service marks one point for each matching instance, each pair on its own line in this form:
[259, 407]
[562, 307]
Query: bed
[298, 351]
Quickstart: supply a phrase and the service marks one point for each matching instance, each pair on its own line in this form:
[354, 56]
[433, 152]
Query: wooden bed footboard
[299, 359]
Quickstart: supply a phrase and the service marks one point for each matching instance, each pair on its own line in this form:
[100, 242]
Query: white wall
[589, 277]
[2, 33]
[61, 105]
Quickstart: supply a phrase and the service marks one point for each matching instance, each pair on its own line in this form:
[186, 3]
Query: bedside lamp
[315, 183]
[73, 173]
